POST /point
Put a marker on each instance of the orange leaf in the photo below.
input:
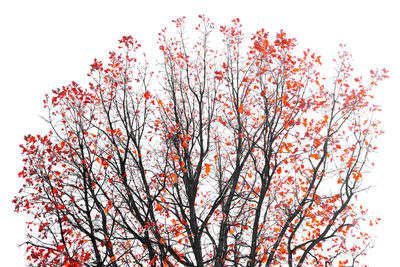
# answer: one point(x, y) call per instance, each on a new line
point(231, 231)
point(147, 95)
point(174, 177)
point(264, 258)
point(314, 156)
point(158, 207)
point(208, 169)
point(357, 175)
point(112, 258)
point(240, 109)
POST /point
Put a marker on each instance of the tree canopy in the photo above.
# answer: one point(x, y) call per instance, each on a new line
point(240, 156)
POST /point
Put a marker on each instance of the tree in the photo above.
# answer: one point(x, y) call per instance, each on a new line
point(245, 156)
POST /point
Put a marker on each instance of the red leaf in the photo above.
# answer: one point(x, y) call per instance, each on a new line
point(60, 248)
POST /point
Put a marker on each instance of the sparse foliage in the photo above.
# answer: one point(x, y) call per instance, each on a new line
point(242, 156)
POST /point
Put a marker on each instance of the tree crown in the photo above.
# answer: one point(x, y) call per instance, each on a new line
point(245, 156)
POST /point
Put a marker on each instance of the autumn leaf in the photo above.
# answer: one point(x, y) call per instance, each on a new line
point(231, 231)
point(208, 168)
point(60, 248)
point(147, 95)
point(240, 109)
point(264, 258)
point(174, 177)
point(357, 175)
point(158, 207)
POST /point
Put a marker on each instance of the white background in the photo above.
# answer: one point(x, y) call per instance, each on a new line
point(47, 44)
